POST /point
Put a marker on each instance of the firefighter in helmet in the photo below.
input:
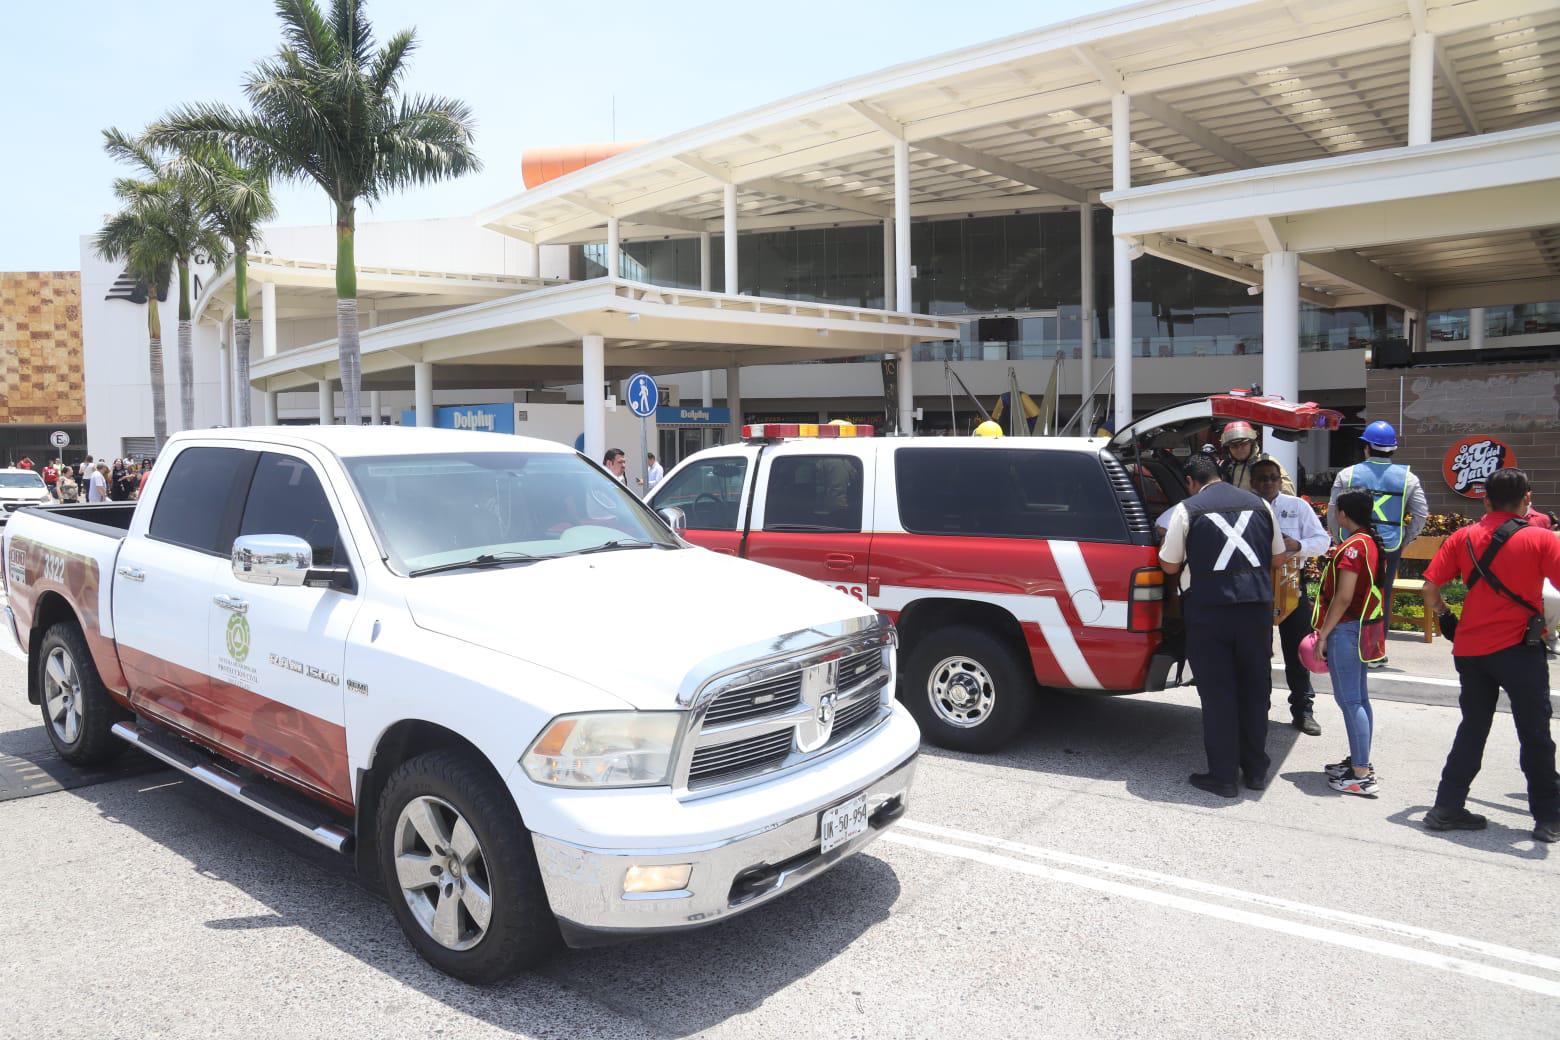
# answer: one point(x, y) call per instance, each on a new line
point(988, 429)
point(1239, 441)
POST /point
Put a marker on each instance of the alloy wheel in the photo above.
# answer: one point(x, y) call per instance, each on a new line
point(62, 695)
point(442, 873)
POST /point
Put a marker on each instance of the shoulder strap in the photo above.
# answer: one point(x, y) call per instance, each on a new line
point(1482, 566)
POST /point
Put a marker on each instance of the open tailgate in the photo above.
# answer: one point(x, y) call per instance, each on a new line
point(1287, 419)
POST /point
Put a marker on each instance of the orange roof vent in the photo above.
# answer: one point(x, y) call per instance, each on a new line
point(540, 165)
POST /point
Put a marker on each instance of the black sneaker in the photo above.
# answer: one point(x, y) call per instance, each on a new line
point(1440, 819)
point(1334, 770)
point(1306, 724)
point(1549, 832)
point(1207, 782)
point(1257, 781)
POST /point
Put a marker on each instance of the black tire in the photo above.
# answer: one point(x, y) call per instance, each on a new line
point(80, 717)
point(521, 929)
point(1011, 688)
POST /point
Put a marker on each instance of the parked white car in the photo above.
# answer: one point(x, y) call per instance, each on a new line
point(480, 664)
point(21, 487)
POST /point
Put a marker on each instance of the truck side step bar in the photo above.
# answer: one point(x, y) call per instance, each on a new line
point(264, 796)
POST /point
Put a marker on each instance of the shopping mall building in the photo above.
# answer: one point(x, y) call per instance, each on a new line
point(1172, 198)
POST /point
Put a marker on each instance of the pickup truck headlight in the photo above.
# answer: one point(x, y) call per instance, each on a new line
point(605, 749)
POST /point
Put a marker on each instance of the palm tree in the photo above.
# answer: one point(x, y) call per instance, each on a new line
point(188, 226)
point(238, 200)
point(328, 108)
point(137, 236)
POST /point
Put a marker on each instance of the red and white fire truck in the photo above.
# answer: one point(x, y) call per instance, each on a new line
point(1008, 565)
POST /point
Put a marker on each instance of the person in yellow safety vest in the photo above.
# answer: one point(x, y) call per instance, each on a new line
point(988, 429)
point(1240, 453)
point(1399, 507)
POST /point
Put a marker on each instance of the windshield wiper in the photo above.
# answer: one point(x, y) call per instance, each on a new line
point(484, 560)
point(618, 543)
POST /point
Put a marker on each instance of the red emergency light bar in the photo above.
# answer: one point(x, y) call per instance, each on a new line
point(772, 431)
point(1274, 411)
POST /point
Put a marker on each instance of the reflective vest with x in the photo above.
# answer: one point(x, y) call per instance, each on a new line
point(1386, 482)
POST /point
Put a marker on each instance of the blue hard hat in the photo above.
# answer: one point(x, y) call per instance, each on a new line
point(1380, 434)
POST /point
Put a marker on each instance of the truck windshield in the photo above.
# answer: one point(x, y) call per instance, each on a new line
point(20, 480)
point(439, 510)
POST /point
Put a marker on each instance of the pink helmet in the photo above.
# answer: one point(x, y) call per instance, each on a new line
point(1310, 657)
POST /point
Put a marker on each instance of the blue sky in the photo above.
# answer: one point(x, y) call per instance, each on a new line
point(535, 74)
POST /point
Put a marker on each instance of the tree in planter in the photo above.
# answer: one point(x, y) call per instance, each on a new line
point(238, 199)
point(328, 108)
point(137, 236)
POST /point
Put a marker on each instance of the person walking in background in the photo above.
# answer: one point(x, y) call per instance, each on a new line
point(68, 491)
point(1350, 596)
point(51, 475)
point(1498, 645)
point(1398, 504)
point(1304, 536)
point(1223, 542)
point(97, 483)
point(140, 483)
point(653, 471)
point(1239, 441)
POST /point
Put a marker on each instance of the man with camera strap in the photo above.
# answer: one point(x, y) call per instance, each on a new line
point(1498, 644)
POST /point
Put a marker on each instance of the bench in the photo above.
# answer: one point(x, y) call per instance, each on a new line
point(1422, 548)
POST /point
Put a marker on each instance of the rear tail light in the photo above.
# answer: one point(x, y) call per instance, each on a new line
point(1145, 611)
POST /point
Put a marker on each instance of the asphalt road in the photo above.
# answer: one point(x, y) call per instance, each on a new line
point(1073, 886)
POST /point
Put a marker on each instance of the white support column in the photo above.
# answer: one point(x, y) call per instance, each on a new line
point(1086, 306)
point(225, 371)
point(734, 402)
point(1476, 327)
point(614, 249)
point(530, 259)
point(269, 405)
point(706, 377)
point(903, 300)
point(327, 403)
point(1421, 87)
point(1281, 342)
point(707, 388)
point(890, 275)
point(375, 408)
point(593, 350)
point(729, 227)
point(267, 319)
point(422, 392)
point(704, 261)
point(1121, 318)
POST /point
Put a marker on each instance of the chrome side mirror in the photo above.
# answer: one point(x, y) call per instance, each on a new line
point(272, 559)
point(675, 518)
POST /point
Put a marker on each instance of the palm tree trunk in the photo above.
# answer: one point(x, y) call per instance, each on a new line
point(186, 352)
point(241, 371)
point(154, 354)
point(241, 390)
point(347, 313)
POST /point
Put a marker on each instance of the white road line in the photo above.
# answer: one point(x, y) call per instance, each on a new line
point(1423, 680)
point(1427, 958)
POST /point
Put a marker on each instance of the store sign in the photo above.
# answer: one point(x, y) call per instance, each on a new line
point(694, 415)
point(484, 418)
point(1473, 460)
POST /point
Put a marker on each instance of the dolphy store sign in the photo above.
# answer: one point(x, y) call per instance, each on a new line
point(484, 418)
point(694, 415)
point(1473, 460)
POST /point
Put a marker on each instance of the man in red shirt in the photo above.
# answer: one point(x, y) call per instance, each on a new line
point(1491, 653)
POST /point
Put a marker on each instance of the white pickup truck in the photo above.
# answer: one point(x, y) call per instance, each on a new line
point(479, 665)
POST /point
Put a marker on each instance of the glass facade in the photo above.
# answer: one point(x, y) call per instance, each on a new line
point(1023, 266)
point(1519, 320)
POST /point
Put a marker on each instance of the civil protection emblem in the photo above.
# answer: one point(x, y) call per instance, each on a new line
point(238, 637)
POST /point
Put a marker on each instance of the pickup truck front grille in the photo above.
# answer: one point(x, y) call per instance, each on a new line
point(756, 723)
point(770, 697)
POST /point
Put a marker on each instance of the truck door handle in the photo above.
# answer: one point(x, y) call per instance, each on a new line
point(232, 603)
point(131, 573)
point(839, 561)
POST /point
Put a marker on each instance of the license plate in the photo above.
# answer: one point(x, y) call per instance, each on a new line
point(843, 822)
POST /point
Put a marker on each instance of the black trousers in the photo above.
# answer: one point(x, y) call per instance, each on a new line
point(1228, 647)
point(1291, 631)
point(1523, 672)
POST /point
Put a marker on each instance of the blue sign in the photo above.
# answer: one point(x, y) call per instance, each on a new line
point(643, 395)
point(691, 415)
point(486, 418)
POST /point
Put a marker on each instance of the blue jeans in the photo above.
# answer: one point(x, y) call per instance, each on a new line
point(1347, 672)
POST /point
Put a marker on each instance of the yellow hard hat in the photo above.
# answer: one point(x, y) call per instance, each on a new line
point(988, 429)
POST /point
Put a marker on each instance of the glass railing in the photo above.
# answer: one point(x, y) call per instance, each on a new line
point(1147, 347)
